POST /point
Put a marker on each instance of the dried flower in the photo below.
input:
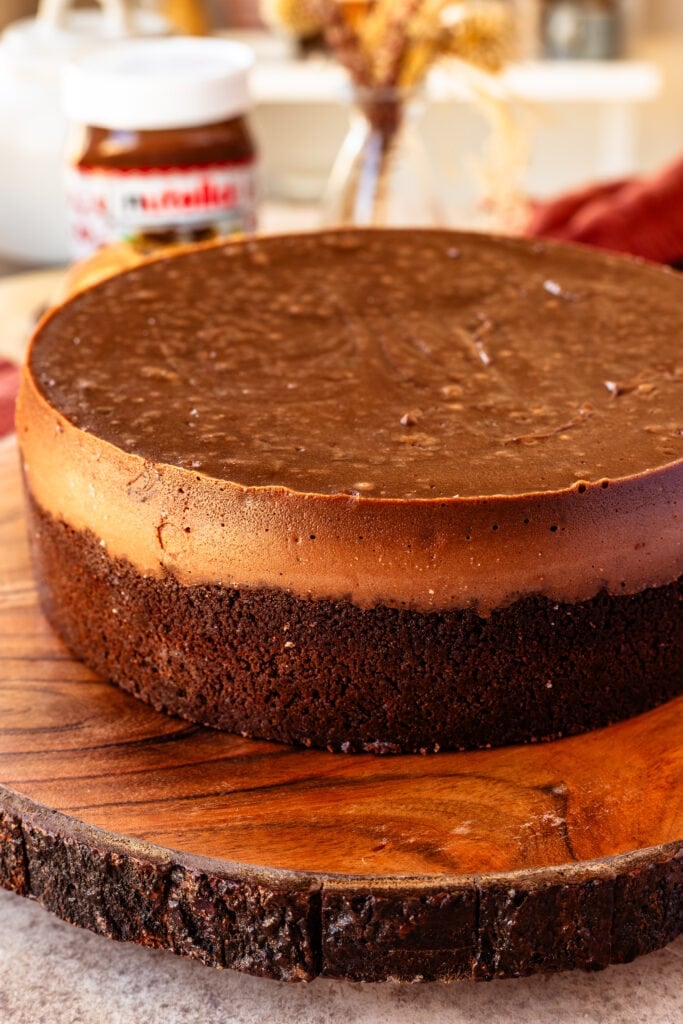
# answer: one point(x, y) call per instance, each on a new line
point(342, 39)
point(395, 42)
point(481, 32)
point(391, 39)
point(294, 16)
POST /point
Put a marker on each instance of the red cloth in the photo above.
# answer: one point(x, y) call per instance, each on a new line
point(643, 216)
point(9, 382)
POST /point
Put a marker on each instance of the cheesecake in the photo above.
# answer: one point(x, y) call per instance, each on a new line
point(388, 491)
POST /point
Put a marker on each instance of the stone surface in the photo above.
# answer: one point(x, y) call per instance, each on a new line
point(51, 973)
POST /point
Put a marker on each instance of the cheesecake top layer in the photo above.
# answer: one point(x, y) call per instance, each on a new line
point(422, 419)
point(396, 365)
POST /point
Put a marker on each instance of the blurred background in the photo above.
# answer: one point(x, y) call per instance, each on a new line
point(584, 104)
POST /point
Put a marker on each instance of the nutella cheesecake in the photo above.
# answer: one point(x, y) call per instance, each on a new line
point(373, 491)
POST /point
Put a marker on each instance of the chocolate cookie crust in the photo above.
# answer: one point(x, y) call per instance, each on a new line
point(269, 664)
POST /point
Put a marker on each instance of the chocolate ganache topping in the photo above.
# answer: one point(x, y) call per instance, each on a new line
point(399, 366)
point(466, 396)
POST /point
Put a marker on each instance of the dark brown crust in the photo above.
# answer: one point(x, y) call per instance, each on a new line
point(329, 674)
point(295, 926)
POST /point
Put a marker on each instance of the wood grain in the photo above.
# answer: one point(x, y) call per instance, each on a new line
point(292, 863)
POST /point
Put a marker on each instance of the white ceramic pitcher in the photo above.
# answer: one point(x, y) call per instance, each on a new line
point(33, 128)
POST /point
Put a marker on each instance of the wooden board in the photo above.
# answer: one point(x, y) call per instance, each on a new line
point(291, 863)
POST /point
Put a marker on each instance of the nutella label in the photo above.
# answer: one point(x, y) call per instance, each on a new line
point(166, 205)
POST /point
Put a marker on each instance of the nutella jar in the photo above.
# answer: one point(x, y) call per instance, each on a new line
point(161, 152)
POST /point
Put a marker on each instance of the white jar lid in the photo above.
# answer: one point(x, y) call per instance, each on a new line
point(147, 84)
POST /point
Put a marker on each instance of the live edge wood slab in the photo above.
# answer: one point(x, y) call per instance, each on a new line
point(294, 863)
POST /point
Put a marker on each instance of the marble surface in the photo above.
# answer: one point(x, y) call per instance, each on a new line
point(51, 973)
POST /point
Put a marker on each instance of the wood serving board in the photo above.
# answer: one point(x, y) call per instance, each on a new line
point(292, 863)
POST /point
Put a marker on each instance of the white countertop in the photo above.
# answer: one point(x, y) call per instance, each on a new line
point(51, 973)
point(319, 80)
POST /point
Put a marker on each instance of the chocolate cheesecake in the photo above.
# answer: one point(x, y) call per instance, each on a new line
point(376, 491)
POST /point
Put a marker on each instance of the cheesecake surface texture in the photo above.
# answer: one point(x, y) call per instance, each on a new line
point(381, 490)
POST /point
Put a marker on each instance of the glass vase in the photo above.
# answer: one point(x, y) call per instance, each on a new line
point(381, 176)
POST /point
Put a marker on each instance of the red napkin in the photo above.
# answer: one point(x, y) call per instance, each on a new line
point(643, 216)
point(9, 382)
